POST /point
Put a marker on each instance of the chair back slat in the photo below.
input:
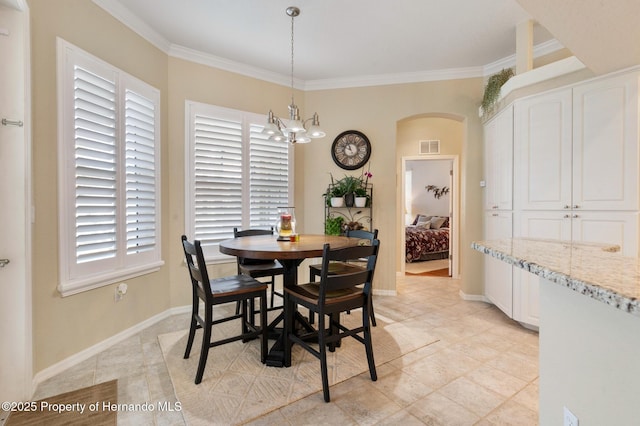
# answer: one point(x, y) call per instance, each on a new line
point(329, 282)
point(197, 269)
point(249, 233)
point(362, 234)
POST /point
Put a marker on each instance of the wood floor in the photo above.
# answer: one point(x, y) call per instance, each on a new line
point(94, 405)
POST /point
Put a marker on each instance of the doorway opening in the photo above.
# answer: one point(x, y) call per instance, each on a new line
point(430, 200)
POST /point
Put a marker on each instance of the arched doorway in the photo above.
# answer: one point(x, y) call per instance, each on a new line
point(428, 144)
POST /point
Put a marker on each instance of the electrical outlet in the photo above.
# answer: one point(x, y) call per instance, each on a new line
point(570, 419)
point(121, 290)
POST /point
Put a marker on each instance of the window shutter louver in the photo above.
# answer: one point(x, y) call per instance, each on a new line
point(217, 178)
point(95, 162)
point(268, 178)
point(108, 173)
point(140, 173)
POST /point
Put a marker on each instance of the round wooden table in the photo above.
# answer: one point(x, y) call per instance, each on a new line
point(290, 255)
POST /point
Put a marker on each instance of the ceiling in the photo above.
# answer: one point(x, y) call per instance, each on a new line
point(337, 42)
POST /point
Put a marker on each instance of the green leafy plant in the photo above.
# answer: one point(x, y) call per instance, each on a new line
point(350, 184)
point(333, 225)
point(492, 89)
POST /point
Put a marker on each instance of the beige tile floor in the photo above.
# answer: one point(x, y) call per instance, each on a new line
point(483, 370)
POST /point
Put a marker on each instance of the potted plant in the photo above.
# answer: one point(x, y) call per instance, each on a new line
point(492, 89)
point(335, 193)
point(361, 197)
point(349, 185)
point(333, 225)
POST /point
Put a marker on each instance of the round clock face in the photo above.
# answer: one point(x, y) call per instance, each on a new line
point(351, 150)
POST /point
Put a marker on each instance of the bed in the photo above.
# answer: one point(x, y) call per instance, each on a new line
point(427, 239)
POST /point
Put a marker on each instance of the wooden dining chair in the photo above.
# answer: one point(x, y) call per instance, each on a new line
point(345, 267)
point(236, 288)
point(259, 268)
point(333, 294)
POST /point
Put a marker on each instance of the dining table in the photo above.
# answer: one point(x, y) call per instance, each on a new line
point(290, 254)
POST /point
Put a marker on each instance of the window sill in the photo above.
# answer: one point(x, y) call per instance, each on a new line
point(78, 286)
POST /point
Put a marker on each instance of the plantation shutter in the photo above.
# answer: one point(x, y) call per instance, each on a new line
point(217, 178)
point(268, 178)
point(140, 173)
point(95, 163)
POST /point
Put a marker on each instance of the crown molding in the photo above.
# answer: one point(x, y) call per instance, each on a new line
point(389, 79)
point(134, 23)
point(122, 14)
point(510, 61)
point(199, 57)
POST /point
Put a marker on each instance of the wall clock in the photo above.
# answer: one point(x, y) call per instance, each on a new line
point(351, 150)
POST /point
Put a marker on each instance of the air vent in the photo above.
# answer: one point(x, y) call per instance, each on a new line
point(430, 147)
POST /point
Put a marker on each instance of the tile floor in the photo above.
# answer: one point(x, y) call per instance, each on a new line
point(483, 370)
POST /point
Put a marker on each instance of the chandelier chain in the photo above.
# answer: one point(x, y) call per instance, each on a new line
point(292, 18)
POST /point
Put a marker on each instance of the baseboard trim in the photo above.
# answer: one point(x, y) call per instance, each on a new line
point(385, 293)
point(473, 297)
point(85, 354)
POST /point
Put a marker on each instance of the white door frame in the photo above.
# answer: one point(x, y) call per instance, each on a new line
point(17, 107)
point(454, 221)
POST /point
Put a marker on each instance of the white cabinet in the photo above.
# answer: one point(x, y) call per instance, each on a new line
point(551, 225)
point(619, 228)
point(577, 148)
point(543, 151)
point(498, 158)
point(498, 278)
point(575, 177)
point(605, 144)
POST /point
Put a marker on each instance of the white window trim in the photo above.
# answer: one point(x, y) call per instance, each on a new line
point(151, 261)
point(213, 256)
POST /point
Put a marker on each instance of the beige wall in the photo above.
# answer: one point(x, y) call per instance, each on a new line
point(450, 131)
point(376, 111)
point(194, 82)
point(65, 326)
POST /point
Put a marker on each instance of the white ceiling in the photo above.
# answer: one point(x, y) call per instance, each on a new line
point(337, 42)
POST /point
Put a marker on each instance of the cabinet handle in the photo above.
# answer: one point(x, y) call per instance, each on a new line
point(576, 206)
point(494, 207)
point(566, 216)
point(495, 215)
point(575, 216)
point(567, 206)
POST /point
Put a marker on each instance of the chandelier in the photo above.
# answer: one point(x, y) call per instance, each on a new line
point(293, 129)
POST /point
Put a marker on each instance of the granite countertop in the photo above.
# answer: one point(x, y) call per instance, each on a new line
point(596, 271)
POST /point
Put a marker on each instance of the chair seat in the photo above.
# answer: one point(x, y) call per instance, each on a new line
point(261, 269)
point(235, 284)
point(310, 292)
point(338, 268)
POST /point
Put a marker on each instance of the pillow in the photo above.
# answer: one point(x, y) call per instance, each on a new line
point(436, 222)
point(424, 225)
point(422, 219)
point(446, 223)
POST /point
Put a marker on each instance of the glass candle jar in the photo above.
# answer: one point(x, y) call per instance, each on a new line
point(286, 223)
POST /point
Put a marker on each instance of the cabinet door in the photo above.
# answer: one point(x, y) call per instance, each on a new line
point(498, 161)
point(552, 225)
point(542, 152)
point(619, 228)
point(605, 144)
point(498, 280)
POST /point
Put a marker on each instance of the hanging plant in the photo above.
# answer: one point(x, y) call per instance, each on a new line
point(492, 89)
